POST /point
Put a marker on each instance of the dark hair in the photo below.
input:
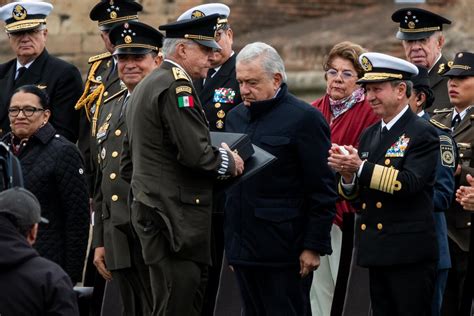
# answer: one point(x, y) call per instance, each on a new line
point(40, 93)
point(22, 229)
point(428, 93)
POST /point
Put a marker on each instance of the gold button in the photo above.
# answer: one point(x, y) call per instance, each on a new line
point(364, 206)
point(379, 226)
point(106, 93)
point(468, 224)
point(115, 154)
point(197, 201)
point(461, 155)
point(114, 197)
point(113, 176)
point(118, 132)
point(217, 105)
point(363, 227)
point(379, 205)
point(387, 162)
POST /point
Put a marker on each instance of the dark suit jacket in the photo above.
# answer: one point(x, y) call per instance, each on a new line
point(62, 82)
point(459, 221)
point(216, 107)
point(396, 225)
point(439, 85)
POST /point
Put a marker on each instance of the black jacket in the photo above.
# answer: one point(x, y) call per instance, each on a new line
point(290, 205)
point(62, 82)
point(53, 172)
point(31, 285)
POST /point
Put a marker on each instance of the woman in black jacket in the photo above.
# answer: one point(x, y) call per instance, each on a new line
point(53, 170)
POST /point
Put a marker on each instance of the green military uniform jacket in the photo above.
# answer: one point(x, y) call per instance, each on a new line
point(102, 78)
point(112, 215)
point(174, 165)
point(439, 85)
point(459, 221)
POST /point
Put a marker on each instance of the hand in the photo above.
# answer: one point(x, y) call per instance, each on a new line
point(309, 261)
point(458, 170)
point(239, 163)
point(345, 164)
point(99, 262)
point(465, 194)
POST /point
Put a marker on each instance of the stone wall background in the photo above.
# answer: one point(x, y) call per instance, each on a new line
point(303, 31)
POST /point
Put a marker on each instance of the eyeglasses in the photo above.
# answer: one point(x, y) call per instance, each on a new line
point(345, 74)
point(28, 111)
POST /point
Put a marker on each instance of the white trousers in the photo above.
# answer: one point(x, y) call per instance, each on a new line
point(324, 278)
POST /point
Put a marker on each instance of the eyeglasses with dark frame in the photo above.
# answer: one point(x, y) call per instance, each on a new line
point(345, 74)
point(28, 111)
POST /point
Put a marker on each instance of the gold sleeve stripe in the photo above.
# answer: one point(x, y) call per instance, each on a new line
point(342, 193)
point(385, 179)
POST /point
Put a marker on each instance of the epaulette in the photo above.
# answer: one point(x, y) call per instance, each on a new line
point(115, 95)
point(441, 111)
point(99, 57)
point(178, 73)
point(440, 125)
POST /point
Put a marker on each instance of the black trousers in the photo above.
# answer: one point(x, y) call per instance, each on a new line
point(402, 290)
point(274, 291)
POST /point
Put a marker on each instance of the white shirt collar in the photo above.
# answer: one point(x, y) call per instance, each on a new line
point(462, 114)
point(18, 65)
point(420, 114)
point(390, 124)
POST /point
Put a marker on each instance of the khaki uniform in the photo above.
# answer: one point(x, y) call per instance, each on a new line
point(459, 221)
point(102, 83)
point(174, 167)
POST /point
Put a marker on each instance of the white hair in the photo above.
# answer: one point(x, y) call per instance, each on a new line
point(269, 58)
point(170, 44)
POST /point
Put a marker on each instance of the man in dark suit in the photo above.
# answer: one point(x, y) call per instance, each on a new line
point(118, 254)
point(219, 91)
point(172, 166)
point(393, 175)
point(422, 38)
point(461, 121)
point(25, 24)
point(278, 223)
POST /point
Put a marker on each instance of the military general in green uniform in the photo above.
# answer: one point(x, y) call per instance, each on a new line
point(173, 167)
point(117, 254)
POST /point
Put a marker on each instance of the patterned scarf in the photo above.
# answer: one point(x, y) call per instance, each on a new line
point(341, 106)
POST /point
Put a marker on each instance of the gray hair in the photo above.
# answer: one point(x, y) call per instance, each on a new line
point(408, 83)
point(270, 59)
point(169, 45)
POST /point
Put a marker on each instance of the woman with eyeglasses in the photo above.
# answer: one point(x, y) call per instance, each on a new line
point(348, 113)
point(53, 170)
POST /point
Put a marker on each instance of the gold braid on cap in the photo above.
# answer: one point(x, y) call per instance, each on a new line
point(199, 37)
point(423, 29)
point(87, 99)
point(120, 19)
point(464, 67)
point(19, 25)
point(380, 76)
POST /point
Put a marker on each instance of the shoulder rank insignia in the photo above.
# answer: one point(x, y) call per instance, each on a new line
point(99, 57)
point(178, 73)
point(186, 89)
point(441, 69)
point(115, 95)
point(441, 111)
point(439, 125)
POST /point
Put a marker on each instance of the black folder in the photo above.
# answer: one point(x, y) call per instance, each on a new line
point(254, 163)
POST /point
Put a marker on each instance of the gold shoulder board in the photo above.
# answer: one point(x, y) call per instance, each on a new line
point(439, 125)
point(445, 110)
point(115, 95)
point(99, 57)
point(178, 73)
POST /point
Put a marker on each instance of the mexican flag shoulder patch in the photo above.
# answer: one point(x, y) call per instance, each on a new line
point(186, 101)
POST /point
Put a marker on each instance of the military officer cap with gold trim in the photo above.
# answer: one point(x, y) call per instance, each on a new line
point(416, 24)
point(381, 67)
point(109, 13)
point(202, 30)
point(135, 38)
point(461, 66)
point(208, 9)
point(23, 16)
